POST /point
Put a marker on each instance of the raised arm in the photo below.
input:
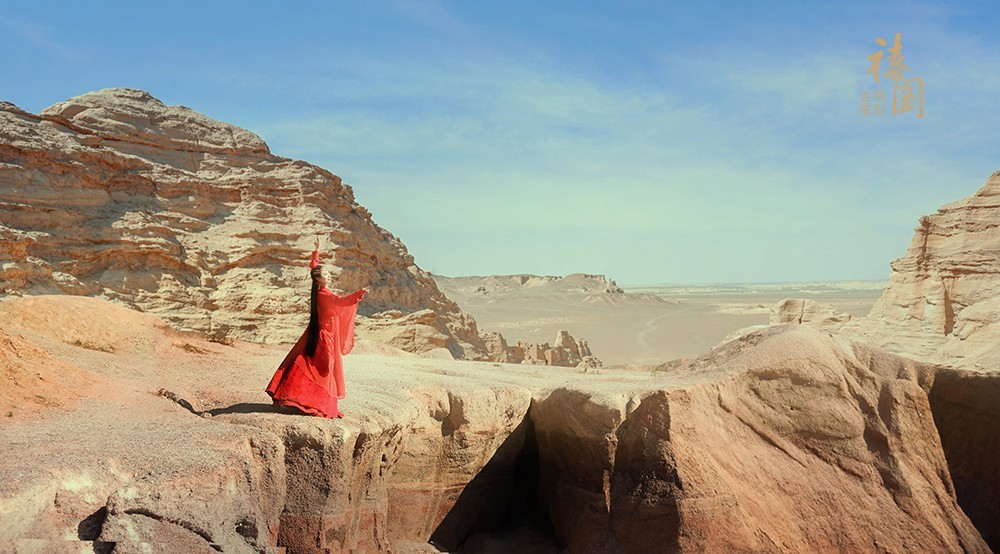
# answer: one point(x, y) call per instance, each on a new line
point(349, 299)
point(315, 256)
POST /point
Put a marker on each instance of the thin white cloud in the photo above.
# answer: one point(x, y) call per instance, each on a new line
point(529, 157)
point(40, 36)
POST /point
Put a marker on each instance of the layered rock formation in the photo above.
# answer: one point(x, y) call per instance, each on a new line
point(787, 439)
point(784, 440)
point(160, 208)
point(565, 351)
point(494, 284)
point(942, 302)
point(797, 310)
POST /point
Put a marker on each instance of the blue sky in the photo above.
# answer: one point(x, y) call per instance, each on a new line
point(654, 142)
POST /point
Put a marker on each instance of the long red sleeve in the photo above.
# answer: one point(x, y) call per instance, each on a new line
point(347, 300)
point(315, 259)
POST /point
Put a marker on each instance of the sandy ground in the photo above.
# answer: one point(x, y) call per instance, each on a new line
point(637, 329)
point(99, 396)
point(121, 357)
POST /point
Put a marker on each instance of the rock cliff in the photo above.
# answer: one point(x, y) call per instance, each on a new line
point(160, 208)
point(786, 439)
point(942, 302)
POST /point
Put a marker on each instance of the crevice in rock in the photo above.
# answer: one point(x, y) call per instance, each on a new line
point(90, 527)
point(949, 309)
point(359, 445)
point(966, 410)
point(501, 509)
point(247, 528)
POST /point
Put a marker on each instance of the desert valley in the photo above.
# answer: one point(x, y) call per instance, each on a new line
point(152, 268)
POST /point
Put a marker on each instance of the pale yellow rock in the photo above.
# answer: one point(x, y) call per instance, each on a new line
point(565, 351)
point(807, 311)
point(940, 303)
point(168, 211)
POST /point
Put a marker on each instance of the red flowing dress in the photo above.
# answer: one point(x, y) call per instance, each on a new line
point(313, 385)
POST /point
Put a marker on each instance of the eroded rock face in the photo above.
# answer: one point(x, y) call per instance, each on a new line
point(941, 303)
point(786, 439)
point(565, 351)
point(162, 209)
point(366, 487)
point(423, 332)
point(966, 409)
point(798, 310)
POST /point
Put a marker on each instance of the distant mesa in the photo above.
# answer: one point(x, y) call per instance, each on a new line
point(585, 286)
point(564, 351)
point(795, 310)
point(492, 284)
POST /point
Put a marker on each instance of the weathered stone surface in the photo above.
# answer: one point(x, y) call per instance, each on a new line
point(966, 408)
point(786, 439)
point(130, 474)
point(135, 117)
point(941, 302)
point(423, 332)
point(565, 351)
point(165, 210)
point(368, 485)
point(241, 477)
point(797, 310)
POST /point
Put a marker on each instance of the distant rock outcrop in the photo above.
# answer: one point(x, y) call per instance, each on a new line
point(160, 208)
point(797, 310)
point(942, 302)
point(579, 283)
point(565, 351)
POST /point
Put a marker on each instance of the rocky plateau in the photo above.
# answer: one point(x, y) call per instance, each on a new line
point(151, 263)
point(787, 439)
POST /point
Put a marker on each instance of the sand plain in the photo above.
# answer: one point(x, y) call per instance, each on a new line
point(648, 324)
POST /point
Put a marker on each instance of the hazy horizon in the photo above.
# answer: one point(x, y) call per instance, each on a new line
point(680, 284)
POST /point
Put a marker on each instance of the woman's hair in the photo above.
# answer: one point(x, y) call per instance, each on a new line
point(312, 332)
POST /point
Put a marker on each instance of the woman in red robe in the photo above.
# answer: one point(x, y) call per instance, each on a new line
point(311, 377)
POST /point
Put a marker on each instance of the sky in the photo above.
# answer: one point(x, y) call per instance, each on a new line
point(652, 142)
